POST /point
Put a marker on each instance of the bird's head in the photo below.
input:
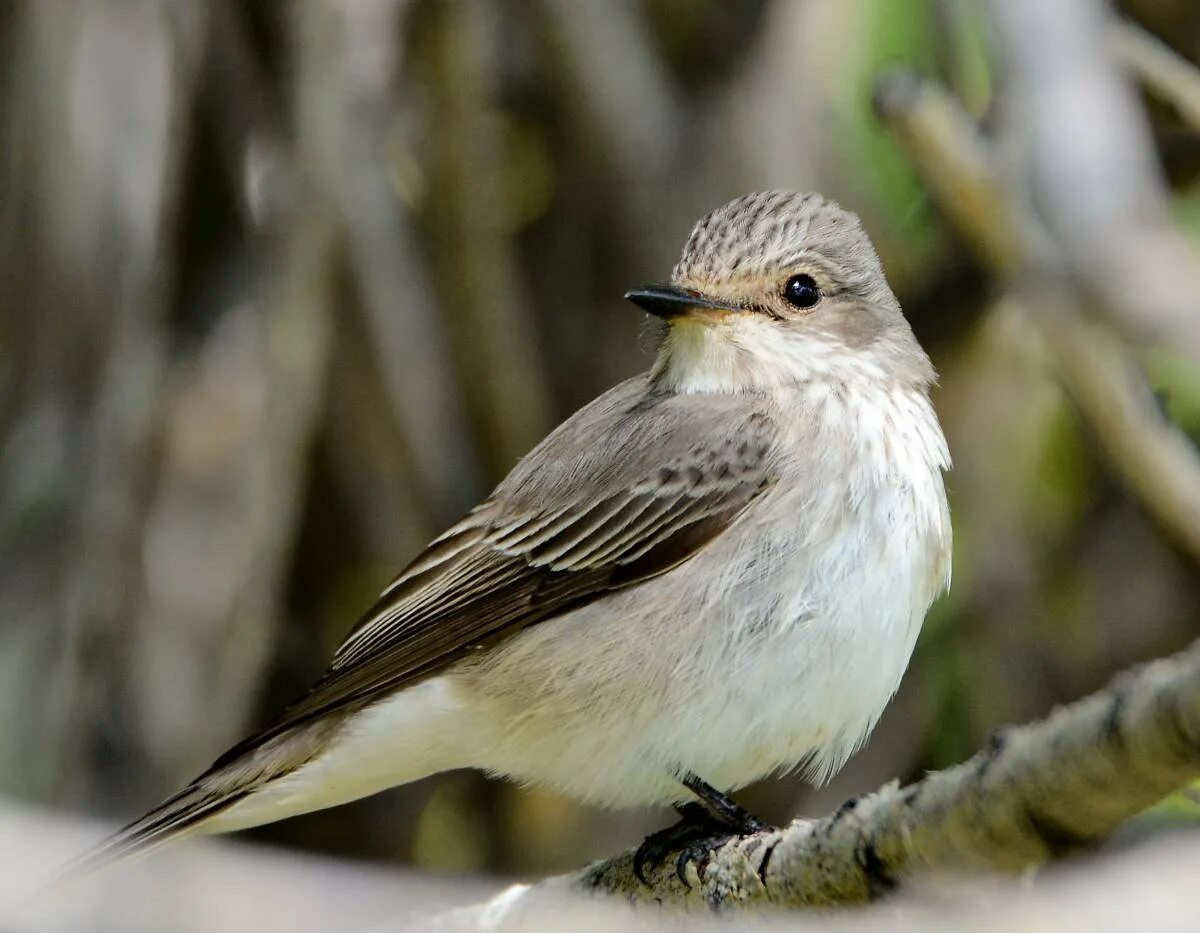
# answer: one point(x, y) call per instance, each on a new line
point(780, 287)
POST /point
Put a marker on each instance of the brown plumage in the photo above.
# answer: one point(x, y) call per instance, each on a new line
point(717, 568)
point(510, 563)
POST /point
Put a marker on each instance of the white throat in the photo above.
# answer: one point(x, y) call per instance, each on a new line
point(752, 356)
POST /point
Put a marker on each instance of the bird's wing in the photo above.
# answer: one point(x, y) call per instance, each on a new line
point(629, 487)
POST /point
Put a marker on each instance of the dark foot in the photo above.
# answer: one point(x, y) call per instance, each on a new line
point(723, 810)
point(699, 851)
point(692, 837)
point(707, 823)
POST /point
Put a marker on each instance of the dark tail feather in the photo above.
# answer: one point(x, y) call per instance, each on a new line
point(237, 774)
point(174, 818)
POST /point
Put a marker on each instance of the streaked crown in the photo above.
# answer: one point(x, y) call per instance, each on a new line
point(762, 235)
point(777, 288)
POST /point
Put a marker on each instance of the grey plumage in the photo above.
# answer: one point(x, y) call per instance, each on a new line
point(717, 567)
point(513, 561)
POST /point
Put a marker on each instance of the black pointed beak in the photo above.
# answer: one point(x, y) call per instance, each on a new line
point(670, 301)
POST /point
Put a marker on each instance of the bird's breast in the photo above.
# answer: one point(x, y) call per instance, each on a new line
point(777, 644)
point(859, 533)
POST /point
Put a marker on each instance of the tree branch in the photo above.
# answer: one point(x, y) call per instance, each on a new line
point(355, 109)
point(1036, 792)
point(633, 112)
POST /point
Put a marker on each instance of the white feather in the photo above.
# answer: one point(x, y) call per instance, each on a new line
point(780, 646)
point(419, 731)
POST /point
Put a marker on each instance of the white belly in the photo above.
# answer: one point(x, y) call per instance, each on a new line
point(779, 648)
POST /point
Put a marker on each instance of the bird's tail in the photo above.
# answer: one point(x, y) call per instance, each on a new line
point(180, 815)
point(244, 770)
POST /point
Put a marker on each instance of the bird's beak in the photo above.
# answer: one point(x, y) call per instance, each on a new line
point(670, 301)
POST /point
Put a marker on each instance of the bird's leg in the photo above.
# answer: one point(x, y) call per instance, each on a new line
point(695, 825)
point(705, 824)
point(722, 809)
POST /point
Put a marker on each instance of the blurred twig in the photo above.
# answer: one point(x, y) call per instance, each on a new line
point(1078, 146)
point(239, 423)
point(633, 113)
point(354, 106)
point(631, 120)
point(1167, 74)
point(93, 378)
point(250, 135)
point(956, 165)
point(478, 275)
point(1152, 455)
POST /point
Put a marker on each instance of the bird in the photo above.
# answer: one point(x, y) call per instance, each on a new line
point(713, 573)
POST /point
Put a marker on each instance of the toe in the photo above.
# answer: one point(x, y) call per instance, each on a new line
point(698, 853)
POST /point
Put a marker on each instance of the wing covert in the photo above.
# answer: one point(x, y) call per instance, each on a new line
point(571, 523)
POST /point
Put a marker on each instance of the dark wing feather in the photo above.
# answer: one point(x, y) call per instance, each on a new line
point(564, 529)
point(631, 486)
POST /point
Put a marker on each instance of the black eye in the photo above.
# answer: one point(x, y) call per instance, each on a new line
point(802, 291)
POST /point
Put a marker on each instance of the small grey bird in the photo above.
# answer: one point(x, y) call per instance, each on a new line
point(714, 572)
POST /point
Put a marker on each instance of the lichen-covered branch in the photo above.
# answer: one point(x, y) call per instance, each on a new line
point(1036, 792)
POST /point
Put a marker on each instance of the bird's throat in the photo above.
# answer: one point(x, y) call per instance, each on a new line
point(702, 357)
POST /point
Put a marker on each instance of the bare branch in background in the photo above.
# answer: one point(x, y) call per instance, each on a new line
point(239, 423)
point(228, 498)
point(250, 136)
point(88, 325)
point(367, 454)
point(1165, 73)
point(634, 117)
point(1080, 146)
point(357, 114)
point(957, 168)
point(1154, 458)
point(475, 262)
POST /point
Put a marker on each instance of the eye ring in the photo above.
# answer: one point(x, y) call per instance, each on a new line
point(801, 291)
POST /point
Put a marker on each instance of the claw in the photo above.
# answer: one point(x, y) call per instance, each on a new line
point(696, 852)
point(695, 827)
point(706, 824)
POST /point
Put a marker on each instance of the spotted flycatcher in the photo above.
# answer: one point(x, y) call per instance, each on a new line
point(714, 572)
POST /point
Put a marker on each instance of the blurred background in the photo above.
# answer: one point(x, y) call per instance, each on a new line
point(286, 287)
